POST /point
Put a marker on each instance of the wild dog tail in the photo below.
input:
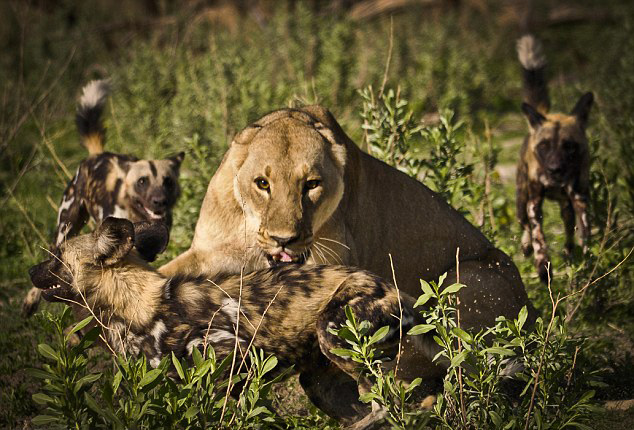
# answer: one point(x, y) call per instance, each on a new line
point(531, 56)
point(88, 118)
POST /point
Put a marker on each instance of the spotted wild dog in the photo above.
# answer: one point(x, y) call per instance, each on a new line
point(108, 184)
point(554, 161)
point(286, 310)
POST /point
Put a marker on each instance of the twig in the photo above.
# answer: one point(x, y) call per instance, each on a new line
point(389, 58)
point(400, 318)
point(555, 304)
point(27, 217)
point(37, 102)
point(462, 406)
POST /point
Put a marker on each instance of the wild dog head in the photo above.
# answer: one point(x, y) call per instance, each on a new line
point(152, 186)
point(77, 266)
point(558, 142)
point(288, 170)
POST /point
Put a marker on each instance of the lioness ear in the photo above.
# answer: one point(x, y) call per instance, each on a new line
point(582, 109)
point(329, 128)
point(240, 144)
point(150, 239)
point(114, 239)
point(535, 119)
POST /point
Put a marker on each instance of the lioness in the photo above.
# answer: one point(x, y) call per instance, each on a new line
point(294, 188)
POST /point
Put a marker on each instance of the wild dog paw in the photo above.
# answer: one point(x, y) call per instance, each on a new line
point(544, 270)
point(527, 245)
point(569, 250)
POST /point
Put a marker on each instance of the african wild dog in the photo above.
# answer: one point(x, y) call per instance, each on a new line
point(285, 310)
point(554, 161)
point(108, 184)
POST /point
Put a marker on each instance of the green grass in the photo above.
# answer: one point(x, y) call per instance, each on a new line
point(192, 84)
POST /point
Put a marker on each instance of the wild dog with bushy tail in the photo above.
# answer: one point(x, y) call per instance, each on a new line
point(108, 184)
point(554, 161)
point(286, 310)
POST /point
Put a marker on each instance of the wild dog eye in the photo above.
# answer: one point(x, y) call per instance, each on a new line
point(312, 184)
point(142, 181)
point(168, 182)
point(262, 184)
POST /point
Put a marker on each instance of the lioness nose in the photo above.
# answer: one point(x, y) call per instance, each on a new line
point(282, 241)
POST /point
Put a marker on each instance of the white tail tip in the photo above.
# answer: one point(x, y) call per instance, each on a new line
point(95, 93)
point(530, 53)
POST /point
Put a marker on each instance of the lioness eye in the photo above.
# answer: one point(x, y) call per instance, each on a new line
point(312, 184)
point(142, 180)
point(262, 184)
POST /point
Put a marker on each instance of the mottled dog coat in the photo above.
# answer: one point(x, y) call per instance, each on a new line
point(108, 184)
point(554, 161)
point(286, 310)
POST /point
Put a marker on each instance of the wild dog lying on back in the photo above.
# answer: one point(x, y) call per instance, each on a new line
point(554, 161)
point(108, 184)
point(156, 315)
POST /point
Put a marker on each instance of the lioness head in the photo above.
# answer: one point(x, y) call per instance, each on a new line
point(558, 141)
point(78, 263)
point(288, 177)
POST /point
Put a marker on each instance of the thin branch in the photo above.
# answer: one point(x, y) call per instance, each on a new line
point(400, 318)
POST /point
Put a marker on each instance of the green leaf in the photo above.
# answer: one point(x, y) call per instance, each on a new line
point(462, 334)
point(496, 418)
point(368, 397)
point(48, 352)
point(421, 329)
point(92, 404)
point(197, 356)
point(422, 299)
point(441, 279)
point(341, 352)
point(426, 288)
point(42, 420)
point(42, 374)
point(269, 364)
point(498, 350)
point(149, 377)
point(379, 335)
point(191, 412)
point(257, 411)
point(452, 289)
point(177, 365)
point(83, 323)
point(88, 379)
point(521, 318)
point(458, 359)
point(42, 399)
point(350, 315)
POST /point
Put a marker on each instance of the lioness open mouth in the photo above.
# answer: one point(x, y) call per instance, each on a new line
point(284, 257)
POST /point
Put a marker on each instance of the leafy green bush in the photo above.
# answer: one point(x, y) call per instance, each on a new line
point(482, 367)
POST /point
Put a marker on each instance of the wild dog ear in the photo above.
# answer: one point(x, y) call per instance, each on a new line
point(535, 119)
point(177, 159)
point(114, 240)
point(582, 109)
point(150, 239)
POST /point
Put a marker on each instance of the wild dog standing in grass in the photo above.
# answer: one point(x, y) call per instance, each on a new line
point(108, 184)
point(554, 161)
point(286, 311)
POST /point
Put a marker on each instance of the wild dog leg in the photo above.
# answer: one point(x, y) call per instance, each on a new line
point(580, 206)
point(568, 215)
point(333, 391)
point(521, 202)
point(72, 216)
point(540, 249)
